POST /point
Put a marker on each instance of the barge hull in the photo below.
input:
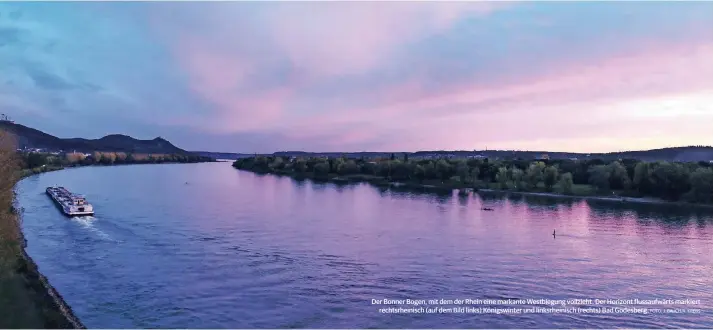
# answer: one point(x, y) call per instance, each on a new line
point(65, 211)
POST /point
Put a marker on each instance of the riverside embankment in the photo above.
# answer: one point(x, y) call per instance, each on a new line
point(27, 299)
point(685, 184)
point(449, 186)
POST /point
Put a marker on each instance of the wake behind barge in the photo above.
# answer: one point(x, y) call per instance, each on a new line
point(70, 204)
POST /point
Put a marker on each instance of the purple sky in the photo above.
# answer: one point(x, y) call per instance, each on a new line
point(354, 76)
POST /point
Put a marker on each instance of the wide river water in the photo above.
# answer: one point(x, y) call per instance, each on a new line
point(208, 246)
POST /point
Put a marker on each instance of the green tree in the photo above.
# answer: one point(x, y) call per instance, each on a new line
point(336, 165)
point(463, 171)
point(535, 174)
point(474, 174)
point(261, 163)
point(566, 183)
point(599, 176)
point(489, 171)
point(619, 177)
point(641, 178)
point(430, 170)
point(321, 169)
point(502, 178)
point(54, 161)
point(443, 169)
point(277, 164)
point(701, 186)
point(419, 173)
point(300, 165)
point(400, 170)
point(350, 167)
point(518, 177)
point(550, 177)
point(567, 165)
point(35, 159)
point(370, 168)
point(670, 180)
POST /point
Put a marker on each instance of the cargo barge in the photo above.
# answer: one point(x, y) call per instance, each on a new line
point(70, 204)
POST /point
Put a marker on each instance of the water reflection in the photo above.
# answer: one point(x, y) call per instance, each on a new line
point(239, 250)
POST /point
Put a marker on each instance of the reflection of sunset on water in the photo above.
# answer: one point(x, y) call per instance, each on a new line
point(303, 249)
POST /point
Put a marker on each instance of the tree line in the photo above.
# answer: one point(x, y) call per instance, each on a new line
point(672, 181)
point(33, 160)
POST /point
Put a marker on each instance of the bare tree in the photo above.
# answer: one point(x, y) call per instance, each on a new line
point(9, 226)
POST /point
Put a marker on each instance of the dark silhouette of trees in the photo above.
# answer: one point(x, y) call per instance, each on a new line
point(33, 160)
point(665, 180)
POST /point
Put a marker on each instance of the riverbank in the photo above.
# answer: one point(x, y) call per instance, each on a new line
point(27, 299)
point(39, 170)
point(617, 199)
point(580, 192)
point(50, 168)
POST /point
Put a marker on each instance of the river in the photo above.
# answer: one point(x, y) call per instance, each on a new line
point(208, 246)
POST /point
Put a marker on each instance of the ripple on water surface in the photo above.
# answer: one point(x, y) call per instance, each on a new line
point(234, 249)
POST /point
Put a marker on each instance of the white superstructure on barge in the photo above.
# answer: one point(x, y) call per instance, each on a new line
point(71, 204)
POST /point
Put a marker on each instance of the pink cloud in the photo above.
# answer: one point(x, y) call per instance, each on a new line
point(614, 92)
point(209, 68)
point(321, 41)
point(532, 132)
point(670, 70)
point(334, 38)
point(224, 79)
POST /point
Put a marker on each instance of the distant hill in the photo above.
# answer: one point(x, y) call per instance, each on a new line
point(366, 154)
point(678, 154)
point(31, 138)
point(221, 155)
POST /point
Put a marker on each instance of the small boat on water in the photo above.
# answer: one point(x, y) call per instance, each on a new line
point(70, 204)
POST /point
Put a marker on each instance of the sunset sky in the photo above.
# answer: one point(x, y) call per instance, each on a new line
point(354, 76)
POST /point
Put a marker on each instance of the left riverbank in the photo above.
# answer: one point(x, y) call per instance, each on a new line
point(27, 299)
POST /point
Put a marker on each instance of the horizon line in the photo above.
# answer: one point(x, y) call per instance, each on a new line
point(443, 150)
